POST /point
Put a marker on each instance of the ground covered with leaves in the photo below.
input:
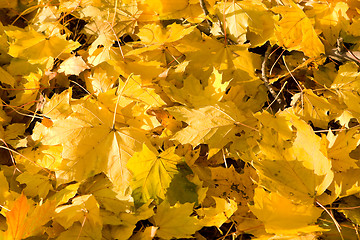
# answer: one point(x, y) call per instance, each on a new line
point(165, 119)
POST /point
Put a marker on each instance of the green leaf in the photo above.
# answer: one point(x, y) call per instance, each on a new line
point(181, 189)
point(152, 173)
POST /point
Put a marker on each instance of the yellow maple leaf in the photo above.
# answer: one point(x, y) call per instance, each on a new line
point(167, 6)
point(101, 78)
point(123, 226)
point(261, 22)
point(214, 125)
point(169, 9)
point(233, 61)
point(346, 183)
point(81, 207)
point(73, 66)
point(81, 218)
point(340, 148)
point(330, 18)
point(6, 77)
point(282, 216)
point(64, 195)
point(152, 173)
point(160, 43)
point(103, 190)
point(194, 93)
point(297, 165)
point(314, 108)
point(147, 70)
point(155, 34)
point(132, 99)
point(236, 21)
point(219, 214)
point(44, 157)
point(175, 221)
point(102, 50)
point(91, 143)
point(80, 231)
point(26, 98)
point(37, 47)
point(36, 184)
point(296, 32)
point(227, 182)
point(347, 87)
point(58, 107)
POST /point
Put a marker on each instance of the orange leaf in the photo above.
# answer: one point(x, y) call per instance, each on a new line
point(47, 122)
point(16, 218)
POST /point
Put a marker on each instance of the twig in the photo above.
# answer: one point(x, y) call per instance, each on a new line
point(265, 78)
point(206, 12)
point(203, 7)
point(342, 54)
point(282, 88)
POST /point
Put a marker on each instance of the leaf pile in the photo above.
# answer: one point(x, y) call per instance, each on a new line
point(168, 119)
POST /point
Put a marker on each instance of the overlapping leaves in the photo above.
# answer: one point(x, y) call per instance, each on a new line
point(117, 115)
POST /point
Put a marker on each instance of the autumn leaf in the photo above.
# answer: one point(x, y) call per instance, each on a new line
point(73, 66)
point(152, 119)
point(84, 156)
point(227, 182)
point(46, 157)
point(37, 47)
point(36, 184)
point(175, 221)
point(234, 61)
point(20, 218)
point(30, 85)
point(166, 6)
point(181, 189)
point(208, 124)
point(282, 216)
point(219, 214)
point(236, 21)
point(195, 94)
point(125, 223)
point(152, 173)
point(82, 208)
point(346, 84)
point(101, 79)
point(330, 19)
point(340, 148)
point(296, 32)
point(346, 183)
point(297, 168)
point(103, 190)
point(17, 217)
point(314, 108)
point(353, 214)
point(6, 77)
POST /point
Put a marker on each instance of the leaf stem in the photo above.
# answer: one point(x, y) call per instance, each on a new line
point(338, 227)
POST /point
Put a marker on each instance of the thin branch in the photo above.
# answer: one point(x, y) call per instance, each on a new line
point(203, 7)
point(265, 78)
point(206, 13)
point(282, 88)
